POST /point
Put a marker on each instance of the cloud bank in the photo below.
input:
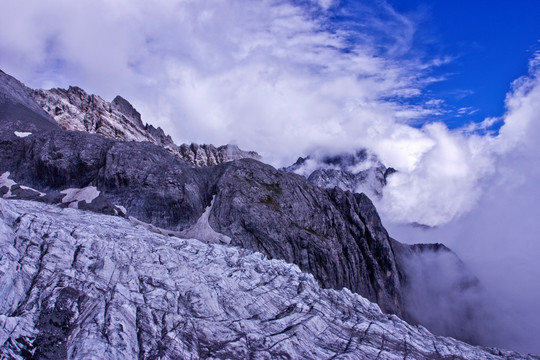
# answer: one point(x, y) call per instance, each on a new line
point(499, 236)
point(445, 172)
point(273, 76)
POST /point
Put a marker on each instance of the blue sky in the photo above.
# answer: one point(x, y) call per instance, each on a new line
point(490, 43)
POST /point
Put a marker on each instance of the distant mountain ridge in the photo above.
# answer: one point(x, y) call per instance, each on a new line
point(359, 171)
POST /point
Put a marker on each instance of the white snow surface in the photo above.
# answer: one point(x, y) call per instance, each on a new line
point(203, 231)
point(75, 195)
point(98, 287)
point(7, 182)
point(123, 209)
point(22, 134)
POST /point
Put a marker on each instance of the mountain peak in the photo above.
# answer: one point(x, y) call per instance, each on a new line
point(125, 108)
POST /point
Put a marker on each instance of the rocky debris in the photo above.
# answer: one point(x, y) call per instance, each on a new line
point(80, 285)
point(19, 114)
point(356, 172)
point(74, 109)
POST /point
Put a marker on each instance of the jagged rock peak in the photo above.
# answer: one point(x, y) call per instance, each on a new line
point(124, 107)
point(74, 109)
point(359, 171)
point(208, 155)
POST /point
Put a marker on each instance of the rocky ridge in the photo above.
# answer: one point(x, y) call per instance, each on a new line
point(20, 115)
point(74, 109)
point(80, 285)
point(360, 171)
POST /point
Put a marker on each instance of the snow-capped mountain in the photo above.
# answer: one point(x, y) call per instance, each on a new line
point(74, 109)
point(74, 283)
point(360, 171)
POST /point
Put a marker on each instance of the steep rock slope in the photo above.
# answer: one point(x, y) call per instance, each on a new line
point(74, 109)
point(80, 285)
point(20, 115)
point(334, 235)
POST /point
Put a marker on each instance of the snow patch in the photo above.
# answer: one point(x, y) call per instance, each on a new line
point(202, 230)
point(4, 181)
point(29, 188)
point(74, 195)
point(22, 134)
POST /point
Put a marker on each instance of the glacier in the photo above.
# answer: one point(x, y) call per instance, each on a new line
point(80, 285)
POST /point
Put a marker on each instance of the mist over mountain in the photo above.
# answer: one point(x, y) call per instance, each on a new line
point(360, 172)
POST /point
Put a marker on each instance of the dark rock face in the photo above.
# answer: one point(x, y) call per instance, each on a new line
point(19, 112)
point(335, 235)
point(152, 184)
